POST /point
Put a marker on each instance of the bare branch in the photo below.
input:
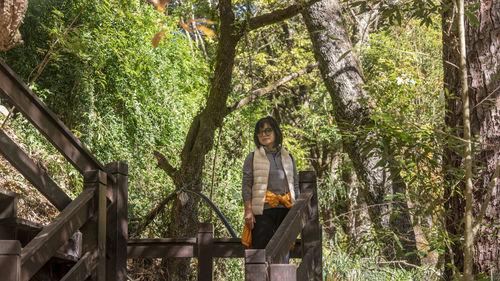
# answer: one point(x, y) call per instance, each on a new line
point(164, 164)
point(493, 183)
point(153, 214)
point(266, 90)
point(276, 16)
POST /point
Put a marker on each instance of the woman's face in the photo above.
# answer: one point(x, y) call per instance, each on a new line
point(266, 136)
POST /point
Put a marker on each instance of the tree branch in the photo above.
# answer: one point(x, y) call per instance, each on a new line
point(266, 90)
point(493, 183)
point(153, 214)
point(275, 16)
point(164, 164)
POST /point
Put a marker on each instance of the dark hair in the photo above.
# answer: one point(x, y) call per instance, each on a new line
point(274, 125)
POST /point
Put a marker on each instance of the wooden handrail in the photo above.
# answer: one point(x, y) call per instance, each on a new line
point(37, 176)
point(53, 236)
point(46, 121)
point(279, 246)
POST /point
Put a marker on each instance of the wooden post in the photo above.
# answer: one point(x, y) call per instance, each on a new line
point(205, 249)
point(311, 266)
point(117, 222)
point(10, 260)
point(97, 179)
point(282, 272)
point(255, 265)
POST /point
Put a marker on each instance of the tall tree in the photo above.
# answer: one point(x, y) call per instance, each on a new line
point(482, 30)
point(344, 79)
point(200, 137)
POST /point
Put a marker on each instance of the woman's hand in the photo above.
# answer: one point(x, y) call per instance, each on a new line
point(249, 219)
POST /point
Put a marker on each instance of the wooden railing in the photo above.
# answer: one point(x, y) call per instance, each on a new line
point(100, 214)
point(302, 219)
point(260, 265)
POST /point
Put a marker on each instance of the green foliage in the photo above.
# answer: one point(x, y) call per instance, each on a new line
point(121, 96)
point(340, 264)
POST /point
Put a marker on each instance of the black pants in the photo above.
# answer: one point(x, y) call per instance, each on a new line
point(266, 225)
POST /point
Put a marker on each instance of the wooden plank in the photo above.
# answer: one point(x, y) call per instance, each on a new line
point(282, 240)
point(19, 229)
point(282, 272)
point(82, 269)
point(311, 234)
point(228, 248)
point(205, 247)
point(10, 261)
point(34, 173)
point(8, 203)
point(46, 121)
point(53, 236)
point(161, 251)
point(255, 265)
point(98, 179)
point(117, 222)
point(162, 248)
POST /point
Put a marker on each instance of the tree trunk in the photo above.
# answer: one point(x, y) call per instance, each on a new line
point(343, 78)
point(199, 141)
point(483, 63)
point(200, 137)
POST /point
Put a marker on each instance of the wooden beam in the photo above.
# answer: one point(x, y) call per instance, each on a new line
point(82, 269)
point(53, 236)
point(34, 173)
point(46, 121)
point(10, 262)
point(205, 245)
point(280, 244)
point(255, 265)
point(117, 222)
point(312, 263)
point(162, 248)
point(8, 203)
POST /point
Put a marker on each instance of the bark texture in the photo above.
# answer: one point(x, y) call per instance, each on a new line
point(483, 63)
point(11, 16)
point(343, 77)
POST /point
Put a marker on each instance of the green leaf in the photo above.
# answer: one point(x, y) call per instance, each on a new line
point(472, 18)
point(396, 238)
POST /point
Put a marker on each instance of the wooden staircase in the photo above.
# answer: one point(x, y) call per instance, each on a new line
point(23, 231)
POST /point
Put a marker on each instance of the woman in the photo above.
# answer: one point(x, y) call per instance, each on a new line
point(270, 184)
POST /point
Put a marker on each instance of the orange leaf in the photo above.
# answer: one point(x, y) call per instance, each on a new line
point(186, 27)
point(202, 21)
point(206, 21)
point(157, 38)
point(206, 30)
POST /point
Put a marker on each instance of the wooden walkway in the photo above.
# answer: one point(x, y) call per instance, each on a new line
point(89, 238)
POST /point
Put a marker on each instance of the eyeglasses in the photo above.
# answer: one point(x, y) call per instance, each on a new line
point(266, 131)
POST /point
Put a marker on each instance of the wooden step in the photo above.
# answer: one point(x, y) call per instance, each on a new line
point(19, 229)
point(8, 203)
point(25, 230)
